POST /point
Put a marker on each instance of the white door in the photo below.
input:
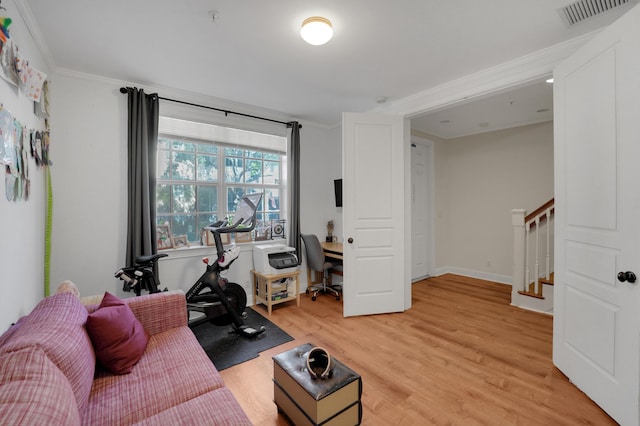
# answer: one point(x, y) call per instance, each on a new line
point(596, 333)
point(375, 212)
point(419, 211)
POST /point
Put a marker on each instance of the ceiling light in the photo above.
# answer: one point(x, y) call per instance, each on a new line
point(549, 80)
point(316, 30)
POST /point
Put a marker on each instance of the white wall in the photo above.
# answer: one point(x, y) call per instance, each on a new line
point(90, 189)
point(89, 232)
point(321, 160)
point(480, 179)
point(22, 222)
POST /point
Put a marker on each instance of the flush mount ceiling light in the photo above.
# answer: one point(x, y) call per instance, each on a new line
point(316, 30)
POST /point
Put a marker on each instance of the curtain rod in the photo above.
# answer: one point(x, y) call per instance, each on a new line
point(226, 112)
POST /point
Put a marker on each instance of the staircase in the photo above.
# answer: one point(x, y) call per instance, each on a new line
point(533, 291)
point(532, 286)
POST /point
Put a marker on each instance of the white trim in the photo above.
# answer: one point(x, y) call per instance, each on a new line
point(196, 251)
point(186, 112)
point(543, 306)
point(501, 279)
point(517, 72)
point(227, 135)
point(30, 22)
point(431, 223)
point(489, 130)
point(532, 309)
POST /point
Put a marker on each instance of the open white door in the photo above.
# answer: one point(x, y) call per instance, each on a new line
point(375, 214)
point(596, 334)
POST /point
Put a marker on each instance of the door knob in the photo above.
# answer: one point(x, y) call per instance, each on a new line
point(627, 276)
point(350, 240)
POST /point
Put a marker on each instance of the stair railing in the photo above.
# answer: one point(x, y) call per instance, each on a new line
point(524, 282)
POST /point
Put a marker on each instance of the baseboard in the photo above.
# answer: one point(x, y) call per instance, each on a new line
point(532, 309)
point(481, 275)
point(415, 280)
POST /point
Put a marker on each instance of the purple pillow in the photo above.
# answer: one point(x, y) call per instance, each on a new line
point(118, 338)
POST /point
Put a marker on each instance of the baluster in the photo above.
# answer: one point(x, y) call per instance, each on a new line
point(548, 260)
point(528, 270)
point(537, 266)
point(527, 230)
point(518, 223)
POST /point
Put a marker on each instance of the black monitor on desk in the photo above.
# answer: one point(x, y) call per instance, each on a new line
point(337, 187)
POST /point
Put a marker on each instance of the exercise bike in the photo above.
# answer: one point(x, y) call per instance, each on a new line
point(212, 298)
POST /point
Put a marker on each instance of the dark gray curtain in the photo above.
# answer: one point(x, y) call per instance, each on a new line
point(142, 148)
point(294, 188)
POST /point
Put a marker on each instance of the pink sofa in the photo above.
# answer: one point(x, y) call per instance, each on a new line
point(48, 372)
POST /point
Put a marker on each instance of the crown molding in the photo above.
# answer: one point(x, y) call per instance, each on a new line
point(27, 16)
point(33, 28)
point(507, 75)
point(187, 96)
point(180, 94)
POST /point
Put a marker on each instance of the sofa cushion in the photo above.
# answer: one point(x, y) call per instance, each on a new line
point(118, 337)
point(57, 326)
point(218, 407)
point(33, 391)
point(173, 370)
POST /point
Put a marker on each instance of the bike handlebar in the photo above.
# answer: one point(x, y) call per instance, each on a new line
point(224, 229)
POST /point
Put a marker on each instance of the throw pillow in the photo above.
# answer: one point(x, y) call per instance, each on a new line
point(119, 339)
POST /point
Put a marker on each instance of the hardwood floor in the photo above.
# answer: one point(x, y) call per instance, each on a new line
point(461, 355)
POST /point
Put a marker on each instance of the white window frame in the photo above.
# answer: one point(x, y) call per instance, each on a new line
point(227, 137)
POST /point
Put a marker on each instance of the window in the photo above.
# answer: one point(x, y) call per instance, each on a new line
point(201, 181)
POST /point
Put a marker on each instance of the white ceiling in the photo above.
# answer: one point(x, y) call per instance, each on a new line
point(253, 54)
point(528, 104)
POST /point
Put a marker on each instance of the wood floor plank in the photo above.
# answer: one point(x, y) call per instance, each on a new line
point(460, 356)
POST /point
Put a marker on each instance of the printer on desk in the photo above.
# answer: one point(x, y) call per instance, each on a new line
point(272, 259)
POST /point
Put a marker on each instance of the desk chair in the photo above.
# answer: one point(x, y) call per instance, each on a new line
point(316, 262)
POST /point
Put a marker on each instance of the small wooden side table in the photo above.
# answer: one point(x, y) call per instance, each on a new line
point(277, 288)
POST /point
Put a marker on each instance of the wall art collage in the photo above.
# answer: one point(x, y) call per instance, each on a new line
point(16, 141)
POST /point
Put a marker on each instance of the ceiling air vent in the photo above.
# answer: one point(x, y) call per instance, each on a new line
point(582, 10)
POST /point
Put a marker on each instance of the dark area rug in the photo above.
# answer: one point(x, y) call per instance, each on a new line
point(228, 349)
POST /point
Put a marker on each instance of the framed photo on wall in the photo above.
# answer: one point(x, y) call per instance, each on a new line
point(163, 237)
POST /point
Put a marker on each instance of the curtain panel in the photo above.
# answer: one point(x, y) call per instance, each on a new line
point(142, 141)
point(294, 188)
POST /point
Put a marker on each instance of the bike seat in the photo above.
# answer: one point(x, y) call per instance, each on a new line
point(148, 260)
